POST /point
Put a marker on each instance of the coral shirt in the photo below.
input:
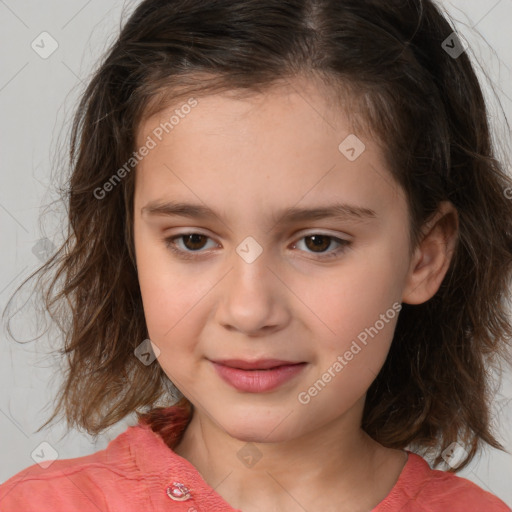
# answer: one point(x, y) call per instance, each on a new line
point(138, 472)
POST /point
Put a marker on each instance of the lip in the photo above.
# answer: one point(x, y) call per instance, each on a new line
point(257, 376)
point(259, 364)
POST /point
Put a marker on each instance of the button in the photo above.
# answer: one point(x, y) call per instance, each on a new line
point(178, 492)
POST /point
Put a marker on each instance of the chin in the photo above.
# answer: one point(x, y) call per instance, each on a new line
point(256, 427)
point(252, 435)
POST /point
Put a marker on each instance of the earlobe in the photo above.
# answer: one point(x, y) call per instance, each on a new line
point(433, 255)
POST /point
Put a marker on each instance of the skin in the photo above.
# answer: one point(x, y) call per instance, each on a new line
point(247, 159)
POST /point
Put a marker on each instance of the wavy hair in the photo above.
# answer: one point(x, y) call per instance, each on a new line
point(422, 103)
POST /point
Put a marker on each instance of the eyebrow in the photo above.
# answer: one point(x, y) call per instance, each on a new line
point(290, 215)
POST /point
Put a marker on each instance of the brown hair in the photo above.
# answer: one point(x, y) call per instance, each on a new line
point(423, 104)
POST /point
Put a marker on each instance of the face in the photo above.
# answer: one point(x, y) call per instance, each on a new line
point(291, 253)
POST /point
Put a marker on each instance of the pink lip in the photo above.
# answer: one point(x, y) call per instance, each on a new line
point(257, 376)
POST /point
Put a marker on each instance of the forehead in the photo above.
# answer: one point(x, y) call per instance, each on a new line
point(327, 99)
point(288, 144)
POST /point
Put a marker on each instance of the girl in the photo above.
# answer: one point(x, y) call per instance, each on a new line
point(291, 211)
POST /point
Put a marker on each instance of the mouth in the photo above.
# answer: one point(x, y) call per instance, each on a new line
point(257, 376)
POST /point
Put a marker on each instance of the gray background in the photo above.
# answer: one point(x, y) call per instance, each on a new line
point(37, 98)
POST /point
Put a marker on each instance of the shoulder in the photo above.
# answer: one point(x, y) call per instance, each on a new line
point(81, 483)
point(421, 488)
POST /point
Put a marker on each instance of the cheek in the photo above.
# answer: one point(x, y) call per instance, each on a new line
point(359, 309)
point(350, 360)
point(170, 304)
point(356, 298)
point(167, 295)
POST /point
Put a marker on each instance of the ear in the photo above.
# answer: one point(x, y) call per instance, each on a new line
point(432, 256)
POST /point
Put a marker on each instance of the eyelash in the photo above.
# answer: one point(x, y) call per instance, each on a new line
point(190, 255)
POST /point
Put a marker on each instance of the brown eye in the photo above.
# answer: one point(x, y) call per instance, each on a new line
point(194, 241)
point(323, 245)
point(186, 244)
point(318, 243)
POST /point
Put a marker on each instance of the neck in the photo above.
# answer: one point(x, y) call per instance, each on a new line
point(338, 466)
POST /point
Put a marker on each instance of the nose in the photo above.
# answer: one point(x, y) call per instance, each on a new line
point(253, 298)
